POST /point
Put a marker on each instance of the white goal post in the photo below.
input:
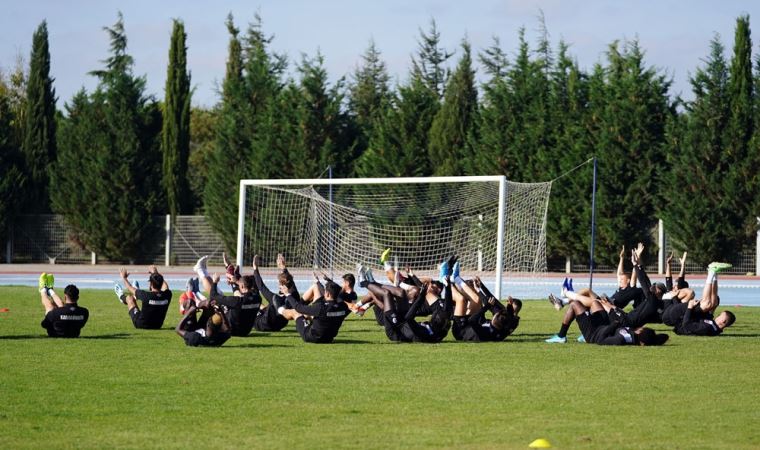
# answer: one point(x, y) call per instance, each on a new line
point(339, 222)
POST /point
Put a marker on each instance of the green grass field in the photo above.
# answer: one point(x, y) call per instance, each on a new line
point(121, 387)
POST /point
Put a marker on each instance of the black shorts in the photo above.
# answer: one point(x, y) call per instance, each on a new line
point(303, 327)
point(51, 332)
point(673, 315)
point(392, 327)
point(193, 339)
point(137, 317)
point(463, 331)
point(589, 323)
point(269, 320)
point(140, 320)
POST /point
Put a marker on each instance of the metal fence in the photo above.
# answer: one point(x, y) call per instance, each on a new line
point(49, 239)
point(745, 262)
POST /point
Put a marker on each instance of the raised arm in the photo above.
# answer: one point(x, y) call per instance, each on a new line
point(215, 295)
point(313, 309)
point(682, 273)
point(153, 269)
point(259, 282)
point(125, 279)
point(620, 271)
point(669, 273)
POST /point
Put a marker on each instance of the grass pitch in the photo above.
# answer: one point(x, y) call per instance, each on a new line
point(120, 387)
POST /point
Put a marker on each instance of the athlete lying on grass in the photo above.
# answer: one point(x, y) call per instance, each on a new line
point(210, 330)
point(241, 309)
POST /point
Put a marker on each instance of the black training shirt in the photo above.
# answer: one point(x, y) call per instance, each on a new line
point(65, 321)
point(154, 306)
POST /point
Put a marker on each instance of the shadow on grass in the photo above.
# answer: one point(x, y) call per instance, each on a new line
point(257, 346)
point(43, 336)
point(376, 330)
point(351, 341)
point(281, 334)
point(740, 335)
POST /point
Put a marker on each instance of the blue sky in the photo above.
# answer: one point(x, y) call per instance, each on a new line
point(674, 34)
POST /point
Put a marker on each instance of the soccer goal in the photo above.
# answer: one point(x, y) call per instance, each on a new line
point(493, 225)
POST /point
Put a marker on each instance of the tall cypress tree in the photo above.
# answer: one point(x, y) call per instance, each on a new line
point(322, 122)
point(246, 141)
point(230, 155)
point(753, 157)
point(429, 65)
point(369, 96)
point(694, 187)
point(511, 112)
point(263, 80)
point(629, 109)
point(567, 233)
point(495, 113)
point(454, 125)
point(740, 191)
point(175, 135)
point(40, 128)
point(113, 137)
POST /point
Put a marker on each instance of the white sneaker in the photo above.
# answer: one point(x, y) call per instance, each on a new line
point(119, 293)
point(201, 264)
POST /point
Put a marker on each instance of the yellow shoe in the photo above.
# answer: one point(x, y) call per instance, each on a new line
point(384, 255)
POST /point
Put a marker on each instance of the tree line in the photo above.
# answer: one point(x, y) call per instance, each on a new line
point(113, 157)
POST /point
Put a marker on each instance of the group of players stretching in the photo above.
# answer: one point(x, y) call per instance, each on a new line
point(465, 307)
point(451, 302)
point(603, 321)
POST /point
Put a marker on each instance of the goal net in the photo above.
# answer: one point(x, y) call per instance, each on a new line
point(333, 225)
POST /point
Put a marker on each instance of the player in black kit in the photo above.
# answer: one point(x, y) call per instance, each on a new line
point(155, 301)
point(211, 330)
point(320, 321)
point(63, 318)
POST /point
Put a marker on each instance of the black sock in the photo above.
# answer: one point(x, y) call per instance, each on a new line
point(563, 330)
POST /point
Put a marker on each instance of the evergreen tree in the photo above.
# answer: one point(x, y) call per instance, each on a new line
point(109, 163)
point(230, 157)
point(454, 124)
point(398, 145)
point(323, 133)
point(175, 135)
point(247, 121)
point(695, 186)
point(369, 96)
point(568, 233)
point(262, 77)
point(495, 114)
point(740, 169)
point(753, 157)
point(40, 127)
point(429, 65)
point(513, 122)
point(12, 170)
point(203, 124)
point(629, 107)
